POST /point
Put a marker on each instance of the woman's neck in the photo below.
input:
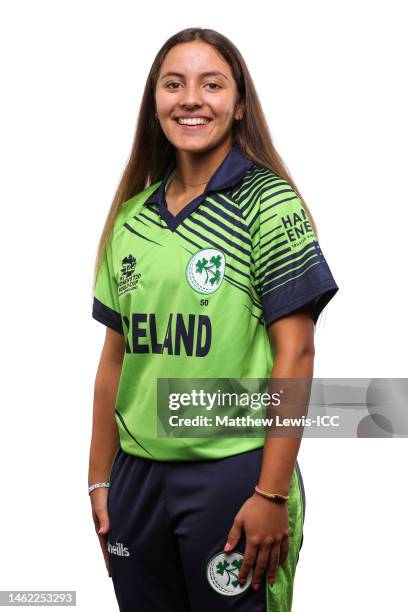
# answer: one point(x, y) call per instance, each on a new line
point(194, 170)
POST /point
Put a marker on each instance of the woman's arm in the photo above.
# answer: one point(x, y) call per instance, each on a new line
point(104, 441)
point(293, 340)
point(266, 523)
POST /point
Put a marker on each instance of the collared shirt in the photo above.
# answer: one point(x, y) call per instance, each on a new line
point(194, 293)
point(229, 173)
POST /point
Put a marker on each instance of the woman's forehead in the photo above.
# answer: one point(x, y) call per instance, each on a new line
point(194, 57)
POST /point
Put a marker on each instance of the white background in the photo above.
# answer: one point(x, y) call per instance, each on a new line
point(331, 78)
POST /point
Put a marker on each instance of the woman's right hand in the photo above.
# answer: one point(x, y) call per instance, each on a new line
point(99, 502)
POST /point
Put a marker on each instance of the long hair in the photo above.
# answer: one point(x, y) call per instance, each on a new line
point(151, 151)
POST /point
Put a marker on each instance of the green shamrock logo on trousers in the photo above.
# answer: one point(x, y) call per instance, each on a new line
point(232, 570)
point(223, 573)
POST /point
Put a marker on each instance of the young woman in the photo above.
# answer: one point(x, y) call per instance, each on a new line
point(208, 267)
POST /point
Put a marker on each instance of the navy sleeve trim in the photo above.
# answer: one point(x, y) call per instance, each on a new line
point(319, 297)
point(107, 316)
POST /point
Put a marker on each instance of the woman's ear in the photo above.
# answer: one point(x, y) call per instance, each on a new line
point(239, 111)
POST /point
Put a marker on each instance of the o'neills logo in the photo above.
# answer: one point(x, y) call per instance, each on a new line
point(118, 549)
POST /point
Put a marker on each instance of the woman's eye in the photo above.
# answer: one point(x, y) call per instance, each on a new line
point(212, 85)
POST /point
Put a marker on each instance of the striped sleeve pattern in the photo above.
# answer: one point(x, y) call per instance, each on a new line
point(289, 268)
point(106, 307)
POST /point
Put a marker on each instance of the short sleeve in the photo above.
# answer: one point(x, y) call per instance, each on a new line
point(106, 307)
point(289, 267)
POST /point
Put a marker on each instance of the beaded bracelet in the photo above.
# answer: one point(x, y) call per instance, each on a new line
point(97, 485)
point(276, 497)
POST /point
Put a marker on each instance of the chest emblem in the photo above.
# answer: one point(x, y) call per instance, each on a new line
point(205, 270)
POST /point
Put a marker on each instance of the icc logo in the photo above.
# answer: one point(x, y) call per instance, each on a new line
point(128, 280)
point(128, 266)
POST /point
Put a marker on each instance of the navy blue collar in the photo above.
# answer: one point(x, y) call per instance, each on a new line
point(233, 168)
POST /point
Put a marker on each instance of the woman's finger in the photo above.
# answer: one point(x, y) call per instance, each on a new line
point(251, 551)
point(261, 565)
point(104, 548)
point(103, 520)
point(274, 561)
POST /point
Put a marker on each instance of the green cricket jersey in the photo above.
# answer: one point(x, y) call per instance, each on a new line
point(193, 294)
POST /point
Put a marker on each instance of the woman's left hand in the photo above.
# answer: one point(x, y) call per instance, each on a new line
point(266, 525)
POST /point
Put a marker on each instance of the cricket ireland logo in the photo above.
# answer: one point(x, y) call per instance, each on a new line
point(205, 270)
point(223, 573)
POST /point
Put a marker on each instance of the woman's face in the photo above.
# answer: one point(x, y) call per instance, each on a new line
point(195, 81)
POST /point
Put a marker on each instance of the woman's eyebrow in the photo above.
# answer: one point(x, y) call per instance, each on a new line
point(203, 74)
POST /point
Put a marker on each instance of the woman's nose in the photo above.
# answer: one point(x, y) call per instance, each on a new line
point(191, 95)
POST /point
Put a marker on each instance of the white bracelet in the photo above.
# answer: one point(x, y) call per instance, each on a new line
point(97, 485)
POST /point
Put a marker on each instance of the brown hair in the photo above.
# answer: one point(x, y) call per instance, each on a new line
point(151, 151)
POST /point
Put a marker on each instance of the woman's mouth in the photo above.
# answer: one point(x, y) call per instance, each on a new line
point(192, 123)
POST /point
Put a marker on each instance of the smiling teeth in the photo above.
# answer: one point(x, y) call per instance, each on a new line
point(193, 121)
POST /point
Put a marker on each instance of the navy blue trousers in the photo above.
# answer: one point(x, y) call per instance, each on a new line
point(169, 522)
